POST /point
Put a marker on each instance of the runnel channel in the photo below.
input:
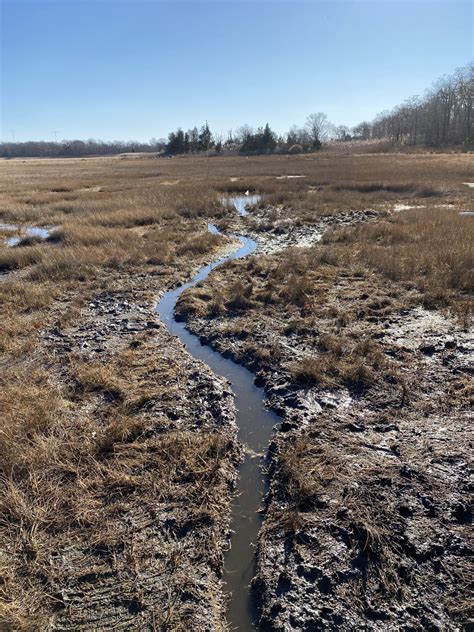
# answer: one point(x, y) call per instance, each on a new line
point(255, 423)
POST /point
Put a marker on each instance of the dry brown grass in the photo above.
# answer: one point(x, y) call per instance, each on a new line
point(100, 185)
point(80, 468)
point(320, 199)
point(77, 248)
point(430, 248)
point(82, 443)
point(341, 361)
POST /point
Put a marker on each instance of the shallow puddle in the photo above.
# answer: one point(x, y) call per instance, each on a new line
point(30, 231)
point(255, 424)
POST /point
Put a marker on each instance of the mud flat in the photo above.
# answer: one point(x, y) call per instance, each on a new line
point(367, 515)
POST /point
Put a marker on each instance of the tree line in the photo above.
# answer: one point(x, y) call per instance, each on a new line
point(441, 118)
point(193, 141)
point(76, 148)
point(248, 140)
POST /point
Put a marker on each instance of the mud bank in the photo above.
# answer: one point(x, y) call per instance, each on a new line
point(366, 521)
point(273, 231)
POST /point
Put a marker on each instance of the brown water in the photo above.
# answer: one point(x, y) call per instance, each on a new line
point(255, 423)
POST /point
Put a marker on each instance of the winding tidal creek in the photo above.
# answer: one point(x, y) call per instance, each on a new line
point(255, 423)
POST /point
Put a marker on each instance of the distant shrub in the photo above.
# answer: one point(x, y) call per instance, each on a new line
point(295, 149)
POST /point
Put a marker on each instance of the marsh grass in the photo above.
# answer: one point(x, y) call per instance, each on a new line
point(77, 251)
point(429, 247)
point(81, 467)
point(84, 442)
point(316, 200)
point(86, 447)
point(341, 362)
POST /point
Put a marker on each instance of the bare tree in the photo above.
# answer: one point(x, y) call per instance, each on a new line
point(362, 130)
point(319, 128)
point(442, 117)
point(342, 133)
point(298, 136)
point(242, 133)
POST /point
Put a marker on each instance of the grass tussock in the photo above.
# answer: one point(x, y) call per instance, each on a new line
point(343, 362)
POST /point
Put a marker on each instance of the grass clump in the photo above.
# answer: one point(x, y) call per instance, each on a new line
point(341, 362)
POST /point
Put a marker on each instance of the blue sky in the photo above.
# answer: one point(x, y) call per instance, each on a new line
point(135, 69)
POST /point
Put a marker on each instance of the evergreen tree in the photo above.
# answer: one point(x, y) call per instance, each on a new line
point(175, 144)
point(263, 141)
point(268, 140)
point(206, 140)
point(194, 139)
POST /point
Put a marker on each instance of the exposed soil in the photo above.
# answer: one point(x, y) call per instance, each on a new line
point(273, 230)
point(367, 515)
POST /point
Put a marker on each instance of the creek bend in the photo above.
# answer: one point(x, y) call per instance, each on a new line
point(255, 425)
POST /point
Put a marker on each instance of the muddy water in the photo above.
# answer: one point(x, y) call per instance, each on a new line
point(255, 423)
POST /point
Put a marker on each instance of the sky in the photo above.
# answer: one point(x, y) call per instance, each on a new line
point(136, 69)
